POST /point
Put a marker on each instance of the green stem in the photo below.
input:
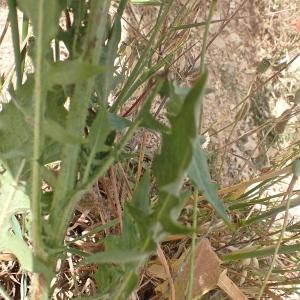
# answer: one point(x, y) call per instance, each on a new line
point(76, 25)
point(193, 248)
point(76, 120)
point(39, 102)
point(25, 26)
point(40, 286)
point(203, 52)
point(112, 50)
point(205, 36)
point(13, 17)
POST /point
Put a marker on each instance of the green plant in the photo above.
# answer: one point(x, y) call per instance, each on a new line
point(70, 130)
point(60, 115)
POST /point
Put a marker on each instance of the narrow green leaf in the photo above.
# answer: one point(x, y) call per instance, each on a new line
point(107, 277)
point(30, 8)
point(97, 139)
point(147, 119)
point(96, 230)
point(116, 257)
point(192, 25)
point(272, 212)
point(199, 174)
point(259, 251)
point(105, 82)
point(139, 209)
point(171, 165)
point(132, 283)
point(16, 228)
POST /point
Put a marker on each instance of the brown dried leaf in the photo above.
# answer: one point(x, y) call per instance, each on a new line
point(206, 274)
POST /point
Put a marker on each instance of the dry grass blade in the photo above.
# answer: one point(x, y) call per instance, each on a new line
point(116, 195)
point(141, 156)
point(230, 288)
point(123, 174)
point(165, 265)
point(244, 185)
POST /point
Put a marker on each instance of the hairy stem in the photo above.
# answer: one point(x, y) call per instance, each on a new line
point(39, 283)
point(77, 118)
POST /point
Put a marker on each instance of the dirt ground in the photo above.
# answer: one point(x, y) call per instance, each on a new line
point(252, 31)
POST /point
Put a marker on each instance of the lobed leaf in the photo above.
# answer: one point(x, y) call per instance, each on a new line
point(31, 8)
